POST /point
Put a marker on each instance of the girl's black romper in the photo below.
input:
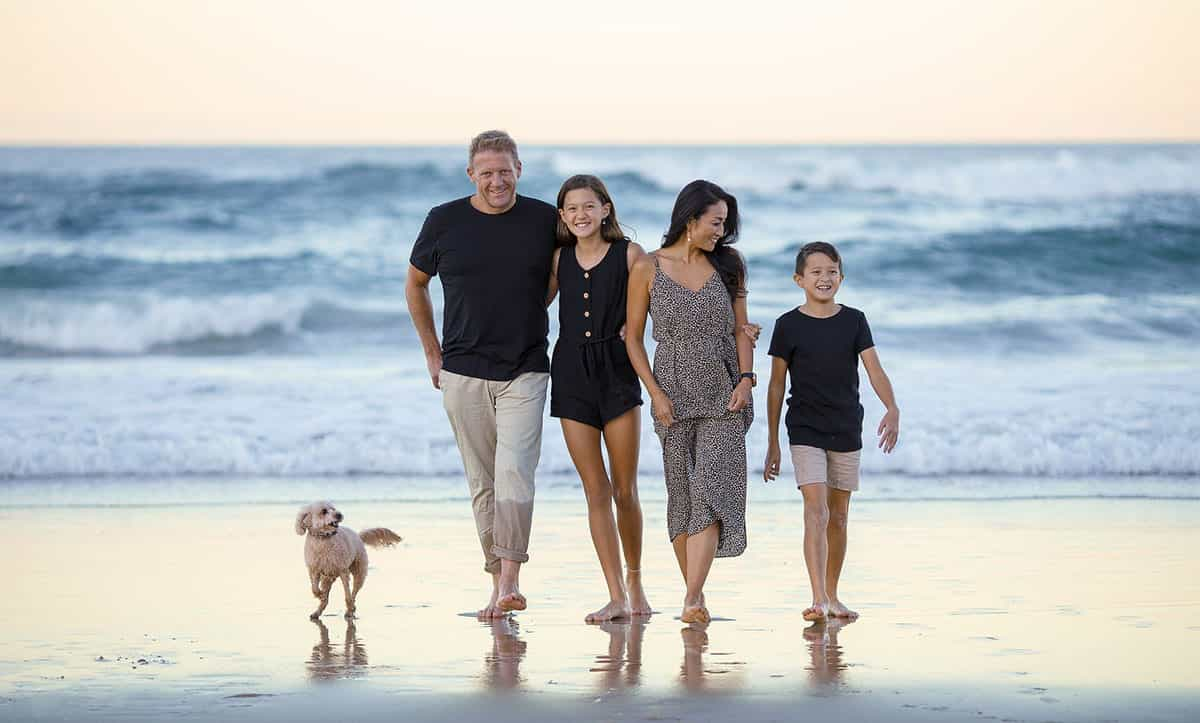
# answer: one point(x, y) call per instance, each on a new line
point(591, 379)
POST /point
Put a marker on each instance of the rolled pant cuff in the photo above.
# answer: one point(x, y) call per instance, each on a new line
point(492, 567)
point(507, 554)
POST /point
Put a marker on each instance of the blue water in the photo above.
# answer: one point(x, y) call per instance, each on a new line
point(238, 313)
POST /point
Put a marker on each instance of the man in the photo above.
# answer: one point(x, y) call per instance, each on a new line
point(492, 251)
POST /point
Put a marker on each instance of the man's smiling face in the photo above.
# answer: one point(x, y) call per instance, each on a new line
point(495, 175)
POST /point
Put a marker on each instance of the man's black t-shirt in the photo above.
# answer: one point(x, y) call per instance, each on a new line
point(822, 356)
point(494, 270)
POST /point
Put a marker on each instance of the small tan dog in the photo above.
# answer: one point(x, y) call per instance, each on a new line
point(332, 551)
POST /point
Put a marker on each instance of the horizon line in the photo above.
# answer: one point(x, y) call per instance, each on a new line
point(262, 143)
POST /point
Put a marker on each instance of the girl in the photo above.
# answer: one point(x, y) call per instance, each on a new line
point(819, 343)
point(695, 289)
point(593, 389)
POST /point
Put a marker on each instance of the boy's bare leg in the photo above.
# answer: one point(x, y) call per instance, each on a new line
point(839, 513)
point(621, 437)
point(583, 442)
point(816, 547)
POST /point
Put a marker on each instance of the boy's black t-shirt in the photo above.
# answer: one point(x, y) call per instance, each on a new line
point(494, 270)
point(822, 356)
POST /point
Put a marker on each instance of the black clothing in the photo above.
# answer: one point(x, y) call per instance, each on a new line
point(495, 269)
point(822, 356)
point(591, 379)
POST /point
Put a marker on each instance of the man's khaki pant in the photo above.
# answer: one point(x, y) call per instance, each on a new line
point(498, 427)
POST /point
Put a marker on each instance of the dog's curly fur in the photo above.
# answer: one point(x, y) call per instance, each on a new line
point(334, 552)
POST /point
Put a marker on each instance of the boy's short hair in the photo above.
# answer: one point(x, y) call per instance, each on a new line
point(818, 247)
point(498, 141)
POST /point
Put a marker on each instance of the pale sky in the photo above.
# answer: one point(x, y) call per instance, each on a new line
point(611, 71)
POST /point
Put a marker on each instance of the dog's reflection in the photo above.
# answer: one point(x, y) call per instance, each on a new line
point(502, 666)
point(621, 665)
point(328, 662)
point(826, 665)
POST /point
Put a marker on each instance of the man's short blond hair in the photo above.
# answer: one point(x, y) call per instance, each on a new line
point(498, 141)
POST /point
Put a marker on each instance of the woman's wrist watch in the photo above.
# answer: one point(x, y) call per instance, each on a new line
point(751, 376)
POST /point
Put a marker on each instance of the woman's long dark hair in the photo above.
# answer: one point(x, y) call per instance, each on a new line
point(610, 229)
point(690, 204)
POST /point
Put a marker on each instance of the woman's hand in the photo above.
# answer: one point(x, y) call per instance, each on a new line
point(752, 331)
point(740, 397)
point(662, 409)
point(771, 465)
point(889, 430)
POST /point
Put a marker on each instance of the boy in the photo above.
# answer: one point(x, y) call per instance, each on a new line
point(818, 344)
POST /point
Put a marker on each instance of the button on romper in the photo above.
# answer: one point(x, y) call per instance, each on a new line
point(704, 451)
point(591, 379)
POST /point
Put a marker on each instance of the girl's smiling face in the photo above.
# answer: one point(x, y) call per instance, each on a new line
point(583, 213)
point(821, 278)
point(709, 228)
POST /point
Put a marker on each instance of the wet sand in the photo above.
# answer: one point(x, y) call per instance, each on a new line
point(1029, 610)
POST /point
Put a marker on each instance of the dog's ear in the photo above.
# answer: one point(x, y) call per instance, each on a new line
point(302, 521)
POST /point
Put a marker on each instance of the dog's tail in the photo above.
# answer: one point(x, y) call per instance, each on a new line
point(379, 537)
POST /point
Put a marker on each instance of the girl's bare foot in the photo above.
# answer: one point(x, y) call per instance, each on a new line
point(614, 610)
point(816, 611)
point(838, 610)
point(639, 606)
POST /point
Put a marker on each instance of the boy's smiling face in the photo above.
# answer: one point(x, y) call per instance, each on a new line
point(821, 279)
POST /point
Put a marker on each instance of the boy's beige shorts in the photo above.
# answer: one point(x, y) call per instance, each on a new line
point(820, 466)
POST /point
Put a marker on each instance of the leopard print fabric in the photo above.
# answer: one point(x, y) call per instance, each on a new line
point(704, 451)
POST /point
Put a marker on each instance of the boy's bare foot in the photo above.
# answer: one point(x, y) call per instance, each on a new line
point(816, 611)
point(511, 601)
point(614, 610)
point(838, 610)
point(639, 606)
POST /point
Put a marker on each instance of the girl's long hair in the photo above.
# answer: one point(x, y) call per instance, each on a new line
point(610, 229)
point(692, 202)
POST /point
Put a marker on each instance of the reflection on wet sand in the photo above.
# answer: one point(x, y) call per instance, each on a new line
point(720, 675)
point(826, 666)
point(502, 666)
point(621, 665)
point(328, 663)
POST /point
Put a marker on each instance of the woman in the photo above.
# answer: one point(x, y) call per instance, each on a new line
point(593, 390)
point(694, 288)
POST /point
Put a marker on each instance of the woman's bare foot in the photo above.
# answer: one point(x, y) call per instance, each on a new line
point(511, 601)
point(816, 611)
point(838, 610)
point(614, 610)
point(696, 613)
point(639, 606)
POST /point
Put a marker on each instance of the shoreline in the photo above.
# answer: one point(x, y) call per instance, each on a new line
point(970, 610)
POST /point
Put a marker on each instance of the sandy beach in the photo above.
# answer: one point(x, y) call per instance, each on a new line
point(1029, 610)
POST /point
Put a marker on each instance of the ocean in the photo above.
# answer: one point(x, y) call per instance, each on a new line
point(228, 323)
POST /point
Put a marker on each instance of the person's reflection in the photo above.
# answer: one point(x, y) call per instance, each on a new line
point(695, 643)
point(503, 663)
point(328, 663)
point(826, 666)
point(621, 665)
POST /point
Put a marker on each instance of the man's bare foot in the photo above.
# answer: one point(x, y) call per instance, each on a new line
point(511, 601)
point(491, 611)
point(816, 611)
point(614, 610)
point(838, 610)
point(639, 606)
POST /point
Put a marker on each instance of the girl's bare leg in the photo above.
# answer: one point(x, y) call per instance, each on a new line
point(839, 513)
point(816, 546)
point(622, 436)
point(583, 442)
